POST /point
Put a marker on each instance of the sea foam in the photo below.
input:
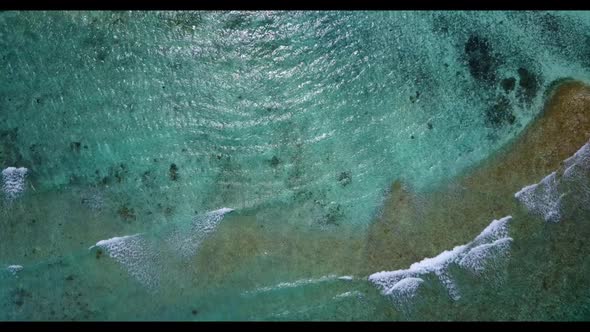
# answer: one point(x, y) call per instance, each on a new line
point(13, 181)
point(476, 256)
point(292, 284)
point(147, 256)
point(567, 187)
point(14, 269)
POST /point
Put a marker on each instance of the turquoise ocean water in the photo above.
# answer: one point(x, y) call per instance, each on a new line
point(173, 128)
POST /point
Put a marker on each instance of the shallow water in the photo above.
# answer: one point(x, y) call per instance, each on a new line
point(345, 143)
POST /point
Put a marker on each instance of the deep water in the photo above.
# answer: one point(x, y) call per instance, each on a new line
point(237, 161)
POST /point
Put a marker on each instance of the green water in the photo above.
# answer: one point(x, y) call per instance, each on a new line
point(145, 122)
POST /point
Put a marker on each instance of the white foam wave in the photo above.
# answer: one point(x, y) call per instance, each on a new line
point(108, 243)
point(14, 269)
point(347, 278)
point(13, 181)
point(348, 294)
point(580, 158)
point(479, 259)
point(406, 287)
point(185, 239)
point(570, 183)
point(148, 257)
point(542, 198)
point(402, 284)
point(134, 254)
point(292, 284)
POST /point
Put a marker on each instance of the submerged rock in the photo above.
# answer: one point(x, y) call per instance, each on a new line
point(345, 178)
point(274, 162)
point(173, 172)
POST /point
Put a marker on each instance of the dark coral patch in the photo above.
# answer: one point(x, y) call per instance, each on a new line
point(550, 23)
point(345, 178)
point(500, 113)
point(75, 146)
point(19, 295)
point(274, 162)
point(173, 172)
point(116, 173)
point(126, 213)
point(508, 84)
point(528, 84)
point(333, 216)
point(480, 59)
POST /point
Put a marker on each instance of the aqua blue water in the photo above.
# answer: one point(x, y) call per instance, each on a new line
point(138, 122)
